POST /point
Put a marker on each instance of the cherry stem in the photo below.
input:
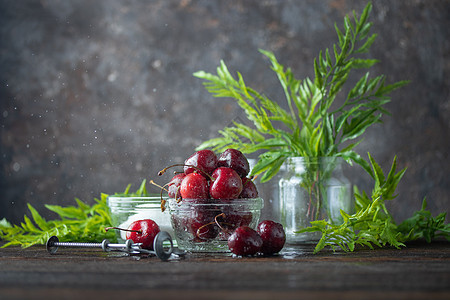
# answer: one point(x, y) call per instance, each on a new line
point(123, 229)
point(211, 223)
point(198, 230)
point(217, 222)
point(163, 201)
point(163, 204)
point(223, 223)
point(179, 198)
point(161, 187)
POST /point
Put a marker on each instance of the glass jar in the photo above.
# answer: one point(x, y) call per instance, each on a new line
point(127, 209)
point(312, 189)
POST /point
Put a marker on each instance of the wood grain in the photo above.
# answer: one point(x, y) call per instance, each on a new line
point(420, 271)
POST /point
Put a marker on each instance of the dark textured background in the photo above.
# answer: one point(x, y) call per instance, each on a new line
point(99, 94)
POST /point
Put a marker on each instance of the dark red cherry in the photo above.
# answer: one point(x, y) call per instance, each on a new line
point(273, 236)
point(249, 189)
point(194, 186)
point(245, 241)
point(174, 185)
point(143, 231)
point(227, 184)
point(205, 160)
point(233, 158)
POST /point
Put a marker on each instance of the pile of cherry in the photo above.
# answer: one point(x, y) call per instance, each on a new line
point(208, 178)
point(222, 179)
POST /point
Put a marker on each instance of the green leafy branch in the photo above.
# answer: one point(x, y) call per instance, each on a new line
point(74, 223)
point(309, 128)
point(422, 225)
point(372, 225)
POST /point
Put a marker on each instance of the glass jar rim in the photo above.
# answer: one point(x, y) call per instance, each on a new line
point(313, 158)
point(125, 202)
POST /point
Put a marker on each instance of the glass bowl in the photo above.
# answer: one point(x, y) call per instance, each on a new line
point(204, 225)
point(126, 209)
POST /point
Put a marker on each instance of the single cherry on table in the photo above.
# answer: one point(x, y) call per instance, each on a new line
point(273, 236)
point(141, 231)
point(245, 241)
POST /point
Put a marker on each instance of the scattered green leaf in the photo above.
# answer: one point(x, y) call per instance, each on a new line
point(372, 225)
point(81, 222)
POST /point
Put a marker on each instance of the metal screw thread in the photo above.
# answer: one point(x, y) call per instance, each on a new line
point(81, 245)
point(53, 243)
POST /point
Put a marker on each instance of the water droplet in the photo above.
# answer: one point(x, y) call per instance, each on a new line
point(112, 77)
point(16, 167)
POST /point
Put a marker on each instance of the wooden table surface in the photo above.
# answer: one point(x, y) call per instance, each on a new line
point(419, 271)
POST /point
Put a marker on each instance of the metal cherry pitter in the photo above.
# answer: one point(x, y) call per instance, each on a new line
point(163, 252)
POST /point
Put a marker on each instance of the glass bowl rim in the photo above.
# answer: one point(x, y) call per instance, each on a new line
point(255, 203)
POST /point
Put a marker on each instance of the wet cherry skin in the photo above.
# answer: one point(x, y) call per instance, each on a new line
point(235, 159)
point(174, 185)
point(144, 231)
point(245, 241)
point(204, 160)
point(194, 186)
point(227, 184)
point(249, 189)
point(273, 236)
